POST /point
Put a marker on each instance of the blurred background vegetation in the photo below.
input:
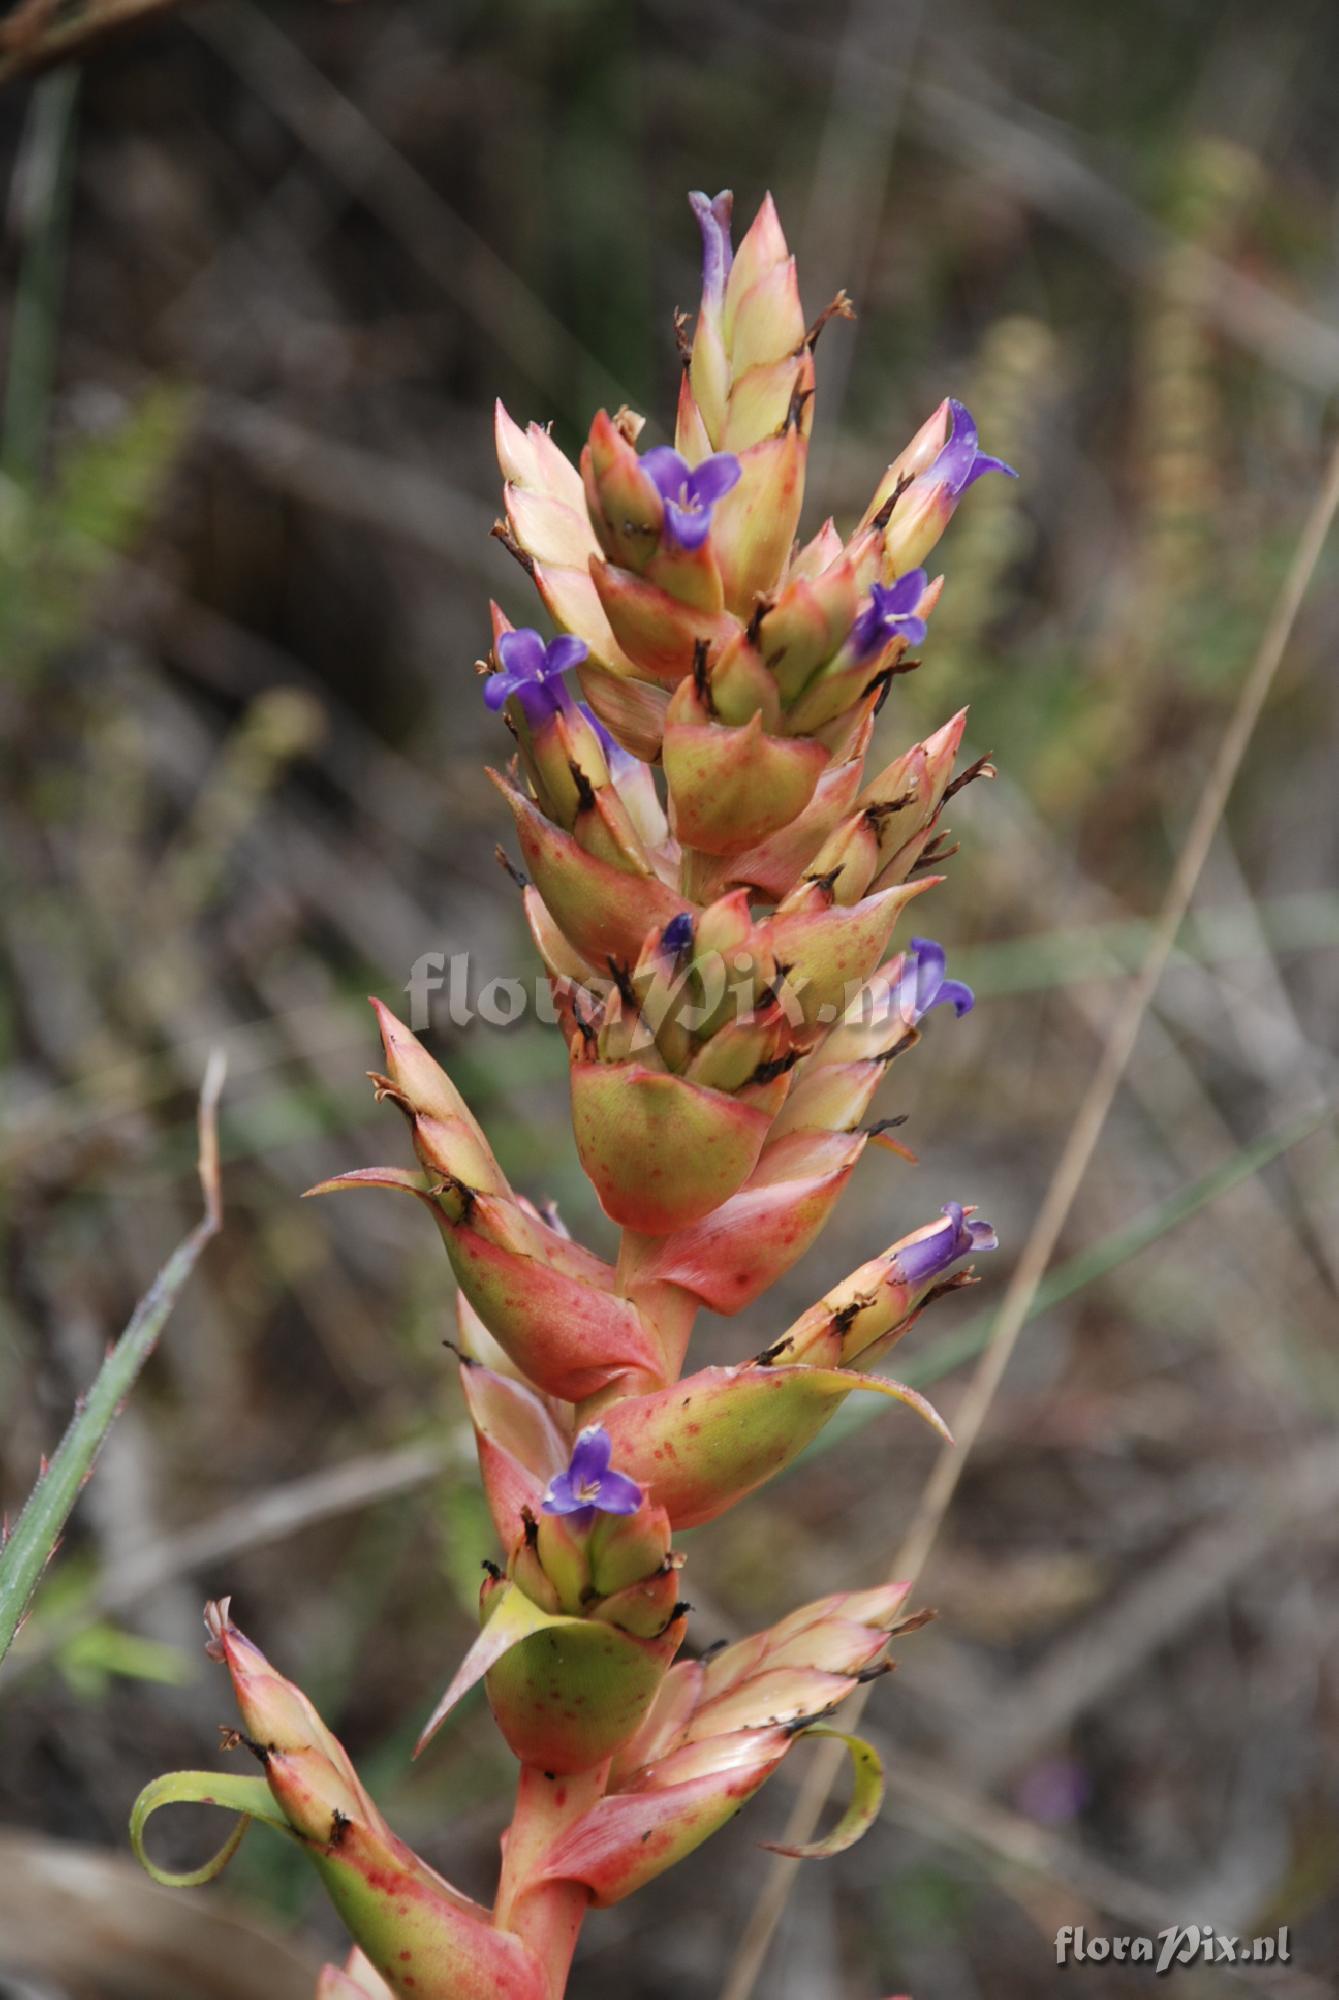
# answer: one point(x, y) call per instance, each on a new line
point(267, 266)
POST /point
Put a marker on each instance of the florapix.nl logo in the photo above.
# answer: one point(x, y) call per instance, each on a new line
point(447, 986)
point(1178, 1945)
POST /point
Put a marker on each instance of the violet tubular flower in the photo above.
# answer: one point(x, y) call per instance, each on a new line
point(690, 492)
point(714, 214)
point(961, 462)
point(589, 1486)
point(891, 613)
point(933, 1253)
point(534, 672)
point(921, 984)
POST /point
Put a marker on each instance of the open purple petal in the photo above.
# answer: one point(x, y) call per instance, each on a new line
point(590, 1456)
point(922, 985)
point(713, 217)
point(714, 478)
point(960, 461)
point(618, 1494)
point(668, 473)
point(588, 1486)
point(931, 959)
point(924, 1259)
point(904, 595)
point(564, 653)
point(522, 653)
point(957, 994)
point(984, 463)
point(889, 614)
point(498, 686)
point(559, 1496)
point(533, 673)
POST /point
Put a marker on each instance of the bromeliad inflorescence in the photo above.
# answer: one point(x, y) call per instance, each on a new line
point(718, 943)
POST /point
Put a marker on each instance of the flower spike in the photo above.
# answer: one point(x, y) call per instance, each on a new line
point(713, 882)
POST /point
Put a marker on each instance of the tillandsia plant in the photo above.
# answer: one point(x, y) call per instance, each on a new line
point(718, 950)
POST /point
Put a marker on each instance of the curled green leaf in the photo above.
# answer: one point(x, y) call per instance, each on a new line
point(250, 1797)
point(862, 1808)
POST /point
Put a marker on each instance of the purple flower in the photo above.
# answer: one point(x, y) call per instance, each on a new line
point(690, 494)
point(921, 984)
point(890, 614)
point(924, 1259)
point(713, 217)
point(533, 672)
point(588, 1487)
point(959, 462)
point(677, 936)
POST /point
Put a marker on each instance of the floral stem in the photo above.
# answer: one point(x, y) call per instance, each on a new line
point(546, 1916)
point(670, 1308)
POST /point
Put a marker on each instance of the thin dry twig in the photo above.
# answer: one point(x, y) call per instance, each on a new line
point(32, 40)
point(1064, 1185)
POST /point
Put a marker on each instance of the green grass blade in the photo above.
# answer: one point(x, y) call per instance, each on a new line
point(30, 1546)
point(44, 215)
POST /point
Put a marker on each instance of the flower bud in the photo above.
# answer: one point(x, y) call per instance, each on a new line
point(661, 1152)
point(429, 1099)
point(549, 528)
point(830, 952)
point(756, 523)
point(773, 866)
point(918, 495)
point(731, 787)
point(419, 1934)
point(735, 687)
point(548, 1302)
point(658, 632)
point(626, 510)
point(715, 1735)
point(603, 910)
